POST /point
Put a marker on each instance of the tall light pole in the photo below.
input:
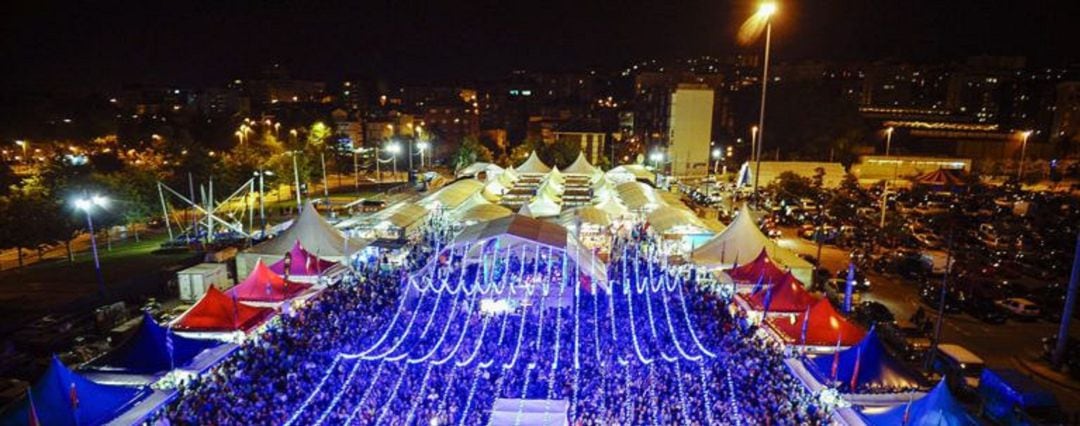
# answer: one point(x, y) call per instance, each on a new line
point(888, 139)
point(1023, 153)
point(394, 148)
point(86, 204)
point(296, 182)
point(423, 146)
point(262, 194)
point(24, 145)
point(765, 12)
point(716, 153)
point(753, 144)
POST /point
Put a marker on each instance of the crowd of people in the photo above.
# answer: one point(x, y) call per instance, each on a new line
point(643, 345)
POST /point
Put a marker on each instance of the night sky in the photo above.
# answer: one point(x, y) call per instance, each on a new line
point(84, 44)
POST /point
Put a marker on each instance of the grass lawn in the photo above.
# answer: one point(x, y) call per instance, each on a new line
point(56, 284)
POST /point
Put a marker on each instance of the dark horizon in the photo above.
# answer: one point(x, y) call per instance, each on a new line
point(62, 46)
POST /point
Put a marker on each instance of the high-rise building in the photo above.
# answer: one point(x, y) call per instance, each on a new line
point(1066, 123)
point(690, 129)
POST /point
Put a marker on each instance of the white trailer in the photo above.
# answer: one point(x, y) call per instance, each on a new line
point(194, 281)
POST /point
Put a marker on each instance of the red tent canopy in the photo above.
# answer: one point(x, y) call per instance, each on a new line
point(824, 328)
point(788, 295)
point(263, 285)
point(940, 177)
point(761, 268)
point(302, 263)
point(218, 312)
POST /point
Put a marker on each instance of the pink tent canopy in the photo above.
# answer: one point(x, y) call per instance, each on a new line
point(303, 263)
point(263, 285)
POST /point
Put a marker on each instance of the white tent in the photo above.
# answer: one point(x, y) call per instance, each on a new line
point(544, 206)
point(580, 166)
point(314, 233)
point(555, 176)
point(630, 172)
point(612, 207)
point(452, 195)
point(533, 166)
point(741, 242)
point(482, 213)
point(478, 167)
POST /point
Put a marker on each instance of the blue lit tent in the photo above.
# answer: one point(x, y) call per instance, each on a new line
point(62, 397)
point(935, 408)
point(876, 368)
point(147, 352)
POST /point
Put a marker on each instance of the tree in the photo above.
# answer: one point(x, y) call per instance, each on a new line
point(8, 179)
point(792, 186)
point(471, 151)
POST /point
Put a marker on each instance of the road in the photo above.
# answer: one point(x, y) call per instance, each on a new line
point(1000, 345)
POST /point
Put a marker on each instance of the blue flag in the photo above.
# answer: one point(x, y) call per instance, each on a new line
point(760, 282)
point(768, 301)
point(849, 288)
point(805, 326)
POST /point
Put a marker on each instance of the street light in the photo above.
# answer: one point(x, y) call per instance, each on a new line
point(262, 206)
point(656, 158)
point(24, 145)
point(888, 139)
point(394, 149)
point(716, 153)
point(86, 204)
point(1023, 152)
point(764, 13)
point(422, 146)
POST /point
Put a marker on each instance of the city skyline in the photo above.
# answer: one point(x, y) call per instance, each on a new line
point(114, 45)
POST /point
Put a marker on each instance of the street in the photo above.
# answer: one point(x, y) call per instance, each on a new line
point(1000, 345)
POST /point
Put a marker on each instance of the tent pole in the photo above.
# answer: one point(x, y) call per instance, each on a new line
point(164, 211)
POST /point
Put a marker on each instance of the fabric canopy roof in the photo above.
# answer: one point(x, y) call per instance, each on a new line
point(406, 214)
point(478, 167)
point(761, 268)
point(484, 213)
point(555, 175)
point(667, 219)
point(940, 178)
point(612, 207)
point(516, 230)
point(742, 241)
point(147, 351)
point(876, 367)
point(788, 295)
point(580, 166)
point(452, 195)
point(585, 215)
point(301, 263)
point(263, 285)
point(630, 172)
point(313, 232)
point(824, 328)
point(61, 397)
point(533, 166)
point(938, 407)
point(543, 206)
point(637, 195)
point(216, 312)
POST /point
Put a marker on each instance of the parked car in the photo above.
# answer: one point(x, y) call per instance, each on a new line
point(931, 296)
point(1020, 308)
point(983, 308)
point(960, 368)
point(1011, 398)
point(870, 312)
point(907, 340)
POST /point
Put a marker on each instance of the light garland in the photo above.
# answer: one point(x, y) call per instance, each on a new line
point(656, 336)
point(341, 391)
point(393, 394)
point(419, 395)
point(705, 394)
point(442, 336)
point(307, 401)
point(682, 392)
point(367, 392)
point(633, 333)
point(690, 326)
point(674, 335)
